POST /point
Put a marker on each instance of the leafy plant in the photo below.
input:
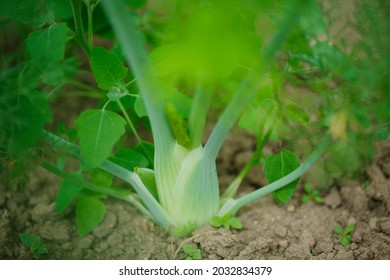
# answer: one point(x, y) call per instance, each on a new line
point(227, 221)
point(192, 252)
point(311, 194)
point(178, 68)
point(345, 234)
point(34, 243)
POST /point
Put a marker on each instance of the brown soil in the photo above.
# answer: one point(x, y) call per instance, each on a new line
point(293, 231)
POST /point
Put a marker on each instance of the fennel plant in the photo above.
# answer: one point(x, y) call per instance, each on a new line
point(209, 48)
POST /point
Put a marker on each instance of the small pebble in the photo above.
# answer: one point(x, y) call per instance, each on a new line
point(290, 208)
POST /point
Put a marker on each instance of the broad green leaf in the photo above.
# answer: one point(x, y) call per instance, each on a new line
point(29, 239)
point(349, 228)
point(42, 250)
point(98, 130)
point(148, 177)
point(139, 107)
point(188, 249)
point(101, 177)
point(147, 149)
point(47, 46)
point(277, 166)
point(136, 3)
point(130, 159)
point(107, 68)
point(255, 114)
point(296, 114)
point(25, 11)
point(337, 229)
point(235, 223)
point(66, 193)
point(216, 221)
point(345, 240)
point(61, 9)
point(90, 212)
point(251, 119)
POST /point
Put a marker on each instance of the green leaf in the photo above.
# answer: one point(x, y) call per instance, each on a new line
point(148, 177)
point(307, 188)
point(90, 212)
point(197, 255)
point(147, 149)
point(101, 177)
point(107, 68)
point(188, 249)
point(29, 239)
point(130, 159)
point(337, 229)
point(140, 108)
point(235, 223)
point(186, 229)
point(305, 198)
point(318, 199)
point(349, 228)
point(98, 130)
point(136, 3)
point(216, 221)
point(277, 166)
point(296, 114)
point(345, 240)
point(42, 250)
point(47, 46)
point(66, 193)
point(25, 11)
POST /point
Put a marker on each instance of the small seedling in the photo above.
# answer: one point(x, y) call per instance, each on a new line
point(312, 194)
point(192, 252)
point(34, 243)
point(226, 221)
point(345, 235)
point(365, 185)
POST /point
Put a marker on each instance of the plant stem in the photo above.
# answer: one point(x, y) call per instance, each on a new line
point(160, 215)
point(229, 117)
point(132, 43)
point(255, 159)
point(122, 194)
point(78, 24)
point(130, 123)
point(198, 115)
point(90, 24)
point(233, 205)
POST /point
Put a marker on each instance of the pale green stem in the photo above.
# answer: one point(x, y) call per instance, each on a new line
point(198, 115)
point(130, 123)
point(229, 117)
point(255, 159)
point(159, 214)
point(117, 193)
point(78, 23)
point(90, 25)
point(233, 205)
point(133, 46)
point(132, 42)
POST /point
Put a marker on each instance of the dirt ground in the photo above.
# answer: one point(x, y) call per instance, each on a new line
point(293, 231)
